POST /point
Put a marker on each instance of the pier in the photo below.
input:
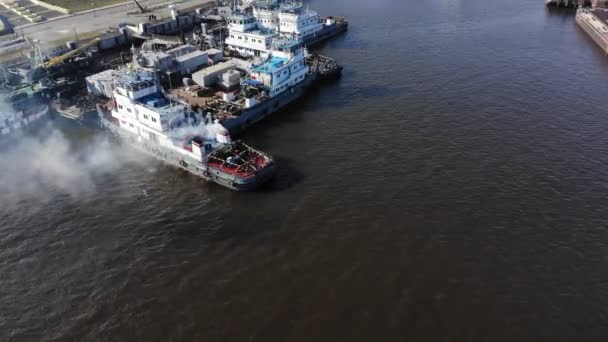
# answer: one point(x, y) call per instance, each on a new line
point(593, 22)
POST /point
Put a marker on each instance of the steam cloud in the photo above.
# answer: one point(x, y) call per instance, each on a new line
point(32, 167)
point(204, 127)
point(37, 166)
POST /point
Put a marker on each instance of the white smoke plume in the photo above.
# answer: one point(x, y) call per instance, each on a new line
point(205, 128)
point(34, 167)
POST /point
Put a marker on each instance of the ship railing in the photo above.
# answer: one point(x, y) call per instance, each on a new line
point(251, 149)
point(247, 148)
point(238, 168)
point(291, 6)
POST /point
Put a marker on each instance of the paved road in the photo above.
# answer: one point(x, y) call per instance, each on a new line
point(86, 24)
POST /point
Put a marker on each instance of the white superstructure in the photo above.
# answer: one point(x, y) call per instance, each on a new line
point(140, 108)
point(251, 35)
point(297, 22)
point(266, 16)
point(283, 69)
point(247, 38)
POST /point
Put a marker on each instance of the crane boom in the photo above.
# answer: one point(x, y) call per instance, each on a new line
point(141, 9)
point(59, 59)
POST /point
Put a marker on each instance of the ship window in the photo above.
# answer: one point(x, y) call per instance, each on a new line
point(145, 117)
point(119, 106)
point(131, 125)
point(153, 119)
point(129, 110)
point(231, 36)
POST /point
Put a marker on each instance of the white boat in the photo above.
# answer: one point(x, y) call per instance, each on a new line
point(251, 34)
point(24, 113)
point(141, 115)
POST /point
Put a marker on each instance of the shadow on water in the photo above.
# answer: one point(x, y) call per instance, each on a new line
point(560, 11)
point(333, 42)
point(291, 113)
point(287, 176)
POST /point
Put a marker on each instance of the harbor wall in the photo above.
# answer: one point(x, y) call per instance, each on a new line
point(596, 28)
point(184, 21)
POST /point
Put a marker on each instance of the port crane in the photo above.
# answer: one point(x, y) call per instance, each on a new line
point(40, 69)
point(60, 59)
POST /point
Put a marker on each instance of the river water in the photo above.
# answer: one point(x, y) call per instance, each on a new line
point(452, 186)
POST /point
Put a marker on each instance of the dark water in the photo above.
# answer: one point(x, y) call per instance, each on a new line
point(452, 186)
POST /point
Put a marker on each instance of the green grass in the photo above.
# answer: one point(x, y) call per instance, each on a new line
point(81, 5)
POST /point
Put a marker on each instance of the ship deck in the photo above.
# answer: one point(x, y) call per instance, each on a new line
point(600, 13)
point(191, 98)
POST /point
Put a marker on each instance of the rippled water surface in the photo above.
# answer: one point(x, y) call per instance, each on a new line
point(452, 186)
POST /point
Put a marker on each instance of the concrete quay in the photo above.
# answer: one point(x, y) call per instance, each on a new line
point(593, 22)
point(91, 23)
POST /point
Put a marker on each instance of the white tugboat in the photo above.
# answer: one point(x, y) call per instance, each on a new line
point(141, 115)
point(278, 80)
point(250, 34)
point(248, 38)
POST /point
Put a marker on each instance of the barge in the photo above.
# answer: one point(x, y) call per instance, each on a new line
point(267, 87)
point(262, 88)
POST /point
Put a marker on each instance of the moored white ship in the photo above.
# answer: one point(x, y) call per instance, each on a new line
point(250, 33)
point(142, 116)
point(24, 113)
point(275, 82)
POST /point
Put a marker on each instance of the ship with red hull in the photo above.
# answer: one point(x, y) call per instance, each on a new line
point(143, 117)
